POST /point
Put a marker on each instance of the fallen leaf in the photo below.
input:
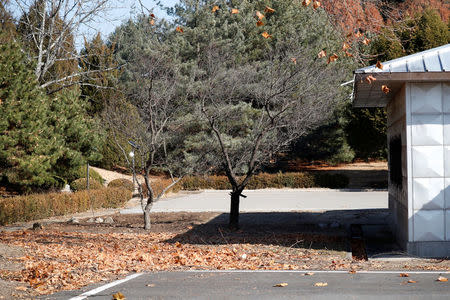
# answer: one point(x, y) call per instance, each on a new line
point(366, 41)
point(369, 79)
point(321, 54)
point(379, 65)
point(348, 54)
point(234, 11)
point(411, 281)
point(259, 23)
point(333, 58)
point(385, 89)
point(179, 29)
point(352, 272)
point(294, 60)
point(283, 284)
point(442, 279)
point(316, 4)
point(306, 2)
point(190, 227)
point(215, 8)
point(345, 46)
point(349, 35)
point(269, 10)
point(266, 35)
point(21, 288)
point(309, 273)
point(259, 15)
point(320, 284)
point(403, 274)
point(358, 34)
point(118, 296)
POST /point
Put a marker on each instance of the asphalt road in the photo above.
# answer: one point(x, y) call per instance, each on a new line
point(270, 200)
point(260, 285)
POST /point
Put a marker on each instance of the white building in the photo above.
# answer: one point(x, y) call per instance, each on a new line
point(417, 99)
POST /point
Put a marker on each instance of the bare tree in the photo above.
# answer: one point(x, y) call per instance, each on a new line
point(255, 110)
point(49, 28)
point(148, 119)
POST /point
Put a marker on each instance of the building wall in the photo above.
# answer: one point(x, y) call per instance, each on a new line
point(398, 192)
point(428, 168)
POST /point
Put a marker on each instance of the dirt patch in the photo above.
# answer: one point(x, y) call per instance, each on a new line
point(9, 288)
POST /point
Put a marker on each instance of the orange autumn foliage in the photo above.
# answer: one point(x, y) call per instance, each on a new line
point(353, 15)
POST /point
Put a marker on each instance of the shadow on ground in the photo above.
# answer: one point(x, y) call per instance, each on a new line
point(363, 179)
point(328, 230)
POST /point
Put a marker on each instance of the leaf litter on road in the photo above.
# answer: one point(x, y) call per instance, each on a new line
point(283, 284)
point(320, 284)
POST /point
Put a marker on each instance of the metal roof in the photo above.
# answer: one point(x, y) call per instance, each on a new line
point(433, 60)
point(428, 66)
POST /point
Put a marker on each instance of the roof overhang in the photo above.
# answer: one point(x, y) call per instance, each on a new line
point(367, 94)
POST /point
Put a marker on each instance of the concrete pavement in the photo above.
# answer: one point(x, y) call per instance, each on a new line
point(270, 200)
point(260, 285)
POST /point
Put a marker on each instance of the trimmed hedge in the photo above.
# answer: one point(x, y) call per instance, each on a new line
point(122, 183)
point(40, 206)
point(80, 185)
point(260, 181)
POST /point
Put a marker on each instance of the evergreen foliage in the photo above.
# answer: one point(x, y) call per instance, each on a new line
point(99, 87)
point(43, 140)
point(81, 134)
point(28, 146)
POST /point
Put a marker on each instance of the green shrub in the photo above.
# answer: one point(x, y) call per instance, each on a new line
point(39, 206)
point(81, 173)
point(81, 184)
point(122, 183)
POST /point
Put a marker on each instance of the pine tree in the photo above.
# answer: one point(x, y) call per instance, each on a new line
point(81, 134)
point(28, 145)
point(97, 88)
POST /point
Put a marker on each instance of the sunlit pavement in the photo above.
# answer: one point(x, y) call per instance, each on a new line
point(270, 200)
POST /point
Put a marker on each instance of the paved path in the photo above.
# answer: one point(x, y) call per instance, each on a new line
point(260, 285)
point(271, 200)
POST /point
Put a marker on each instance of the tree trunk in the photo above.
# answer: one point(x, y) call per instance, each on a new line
point(147, 210)
point(234, 210)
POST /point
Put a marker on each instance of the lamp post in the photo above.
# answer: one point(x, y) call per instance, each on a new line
point(132, 162)
point(131, 154)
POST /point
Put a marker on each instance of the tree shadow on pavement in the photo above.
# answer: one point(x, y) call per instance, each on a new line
point(327, 230)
